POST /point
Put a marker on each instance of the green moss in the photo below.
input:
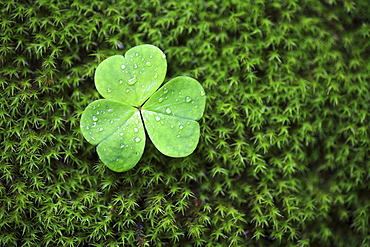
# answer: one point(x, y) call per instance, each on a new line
point(283, 157)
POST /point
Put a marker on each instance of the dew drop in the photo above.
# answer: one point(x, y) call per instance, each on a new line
point(127, 90)
point(136, 130)
point(101, 129)
point(120, 81)
point(122, 145)
point(137, 139)
point(123, 66)
point(168, 110)
point(196, 106)
point(132, 81)
point(97, 113)
point(92, 138)
point(163, 56)
point(87, 127)
point(149, 64)
point(109, 90)
point(181, 127)
point(136, 54)
point(157, 118)
point(95, 118)
point(178, 136)
point(160, 100)
point(135, 66)
point(172, 126)
point(155, 75)
point(188, 122)
point(111, 121)
point(137, 153)
point(202, 93)
point(110, 110)
point(94, 107)
point(165, 90)
point(121, 134)
point(188, 99)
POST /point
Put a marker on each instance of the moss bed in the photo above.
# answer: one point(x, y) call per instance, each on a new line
point(283, 157)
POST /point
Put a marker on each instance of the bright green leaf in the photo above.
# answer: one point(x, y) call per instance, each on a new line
point(132, 78)
point(182, 97)
point(116, 124)
point(169, 116)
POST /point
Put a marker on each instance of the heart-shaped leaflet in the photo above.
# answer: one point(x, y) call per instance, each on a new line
point(116, 124)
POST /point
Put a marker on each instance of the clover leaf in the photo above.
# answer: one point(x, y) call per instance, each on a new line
point(133, 104)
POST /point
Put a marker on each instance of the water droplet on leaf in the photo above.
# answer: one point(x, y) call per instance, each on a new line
point(155, 75)
point(109, 90)
point(137, 139)
point(122, 145)
point(149, 64)
point(120, 81)
point(95, 118)
point(202, 93)
point(123, 66)
point(135, 66)
point(168, 110)
point(181, 127)
point(132, 81)
point(111, 121)
point(157, 118)
point(101, 129)
point(165, 90)
point(188, 99)
point(136, 130)
point(127, 90)
point(160, 100)
point(121, 134)
point(163, 56)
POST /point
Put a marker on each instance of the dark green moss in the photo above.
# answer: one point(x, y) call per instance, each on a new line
point(283, 158)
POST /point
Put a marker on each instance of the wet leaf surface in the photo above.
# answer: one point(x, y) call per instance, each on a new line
point(116, 124)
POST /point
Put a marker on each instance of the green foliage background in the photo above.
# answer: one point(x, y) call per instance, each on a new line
point(283, 158)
